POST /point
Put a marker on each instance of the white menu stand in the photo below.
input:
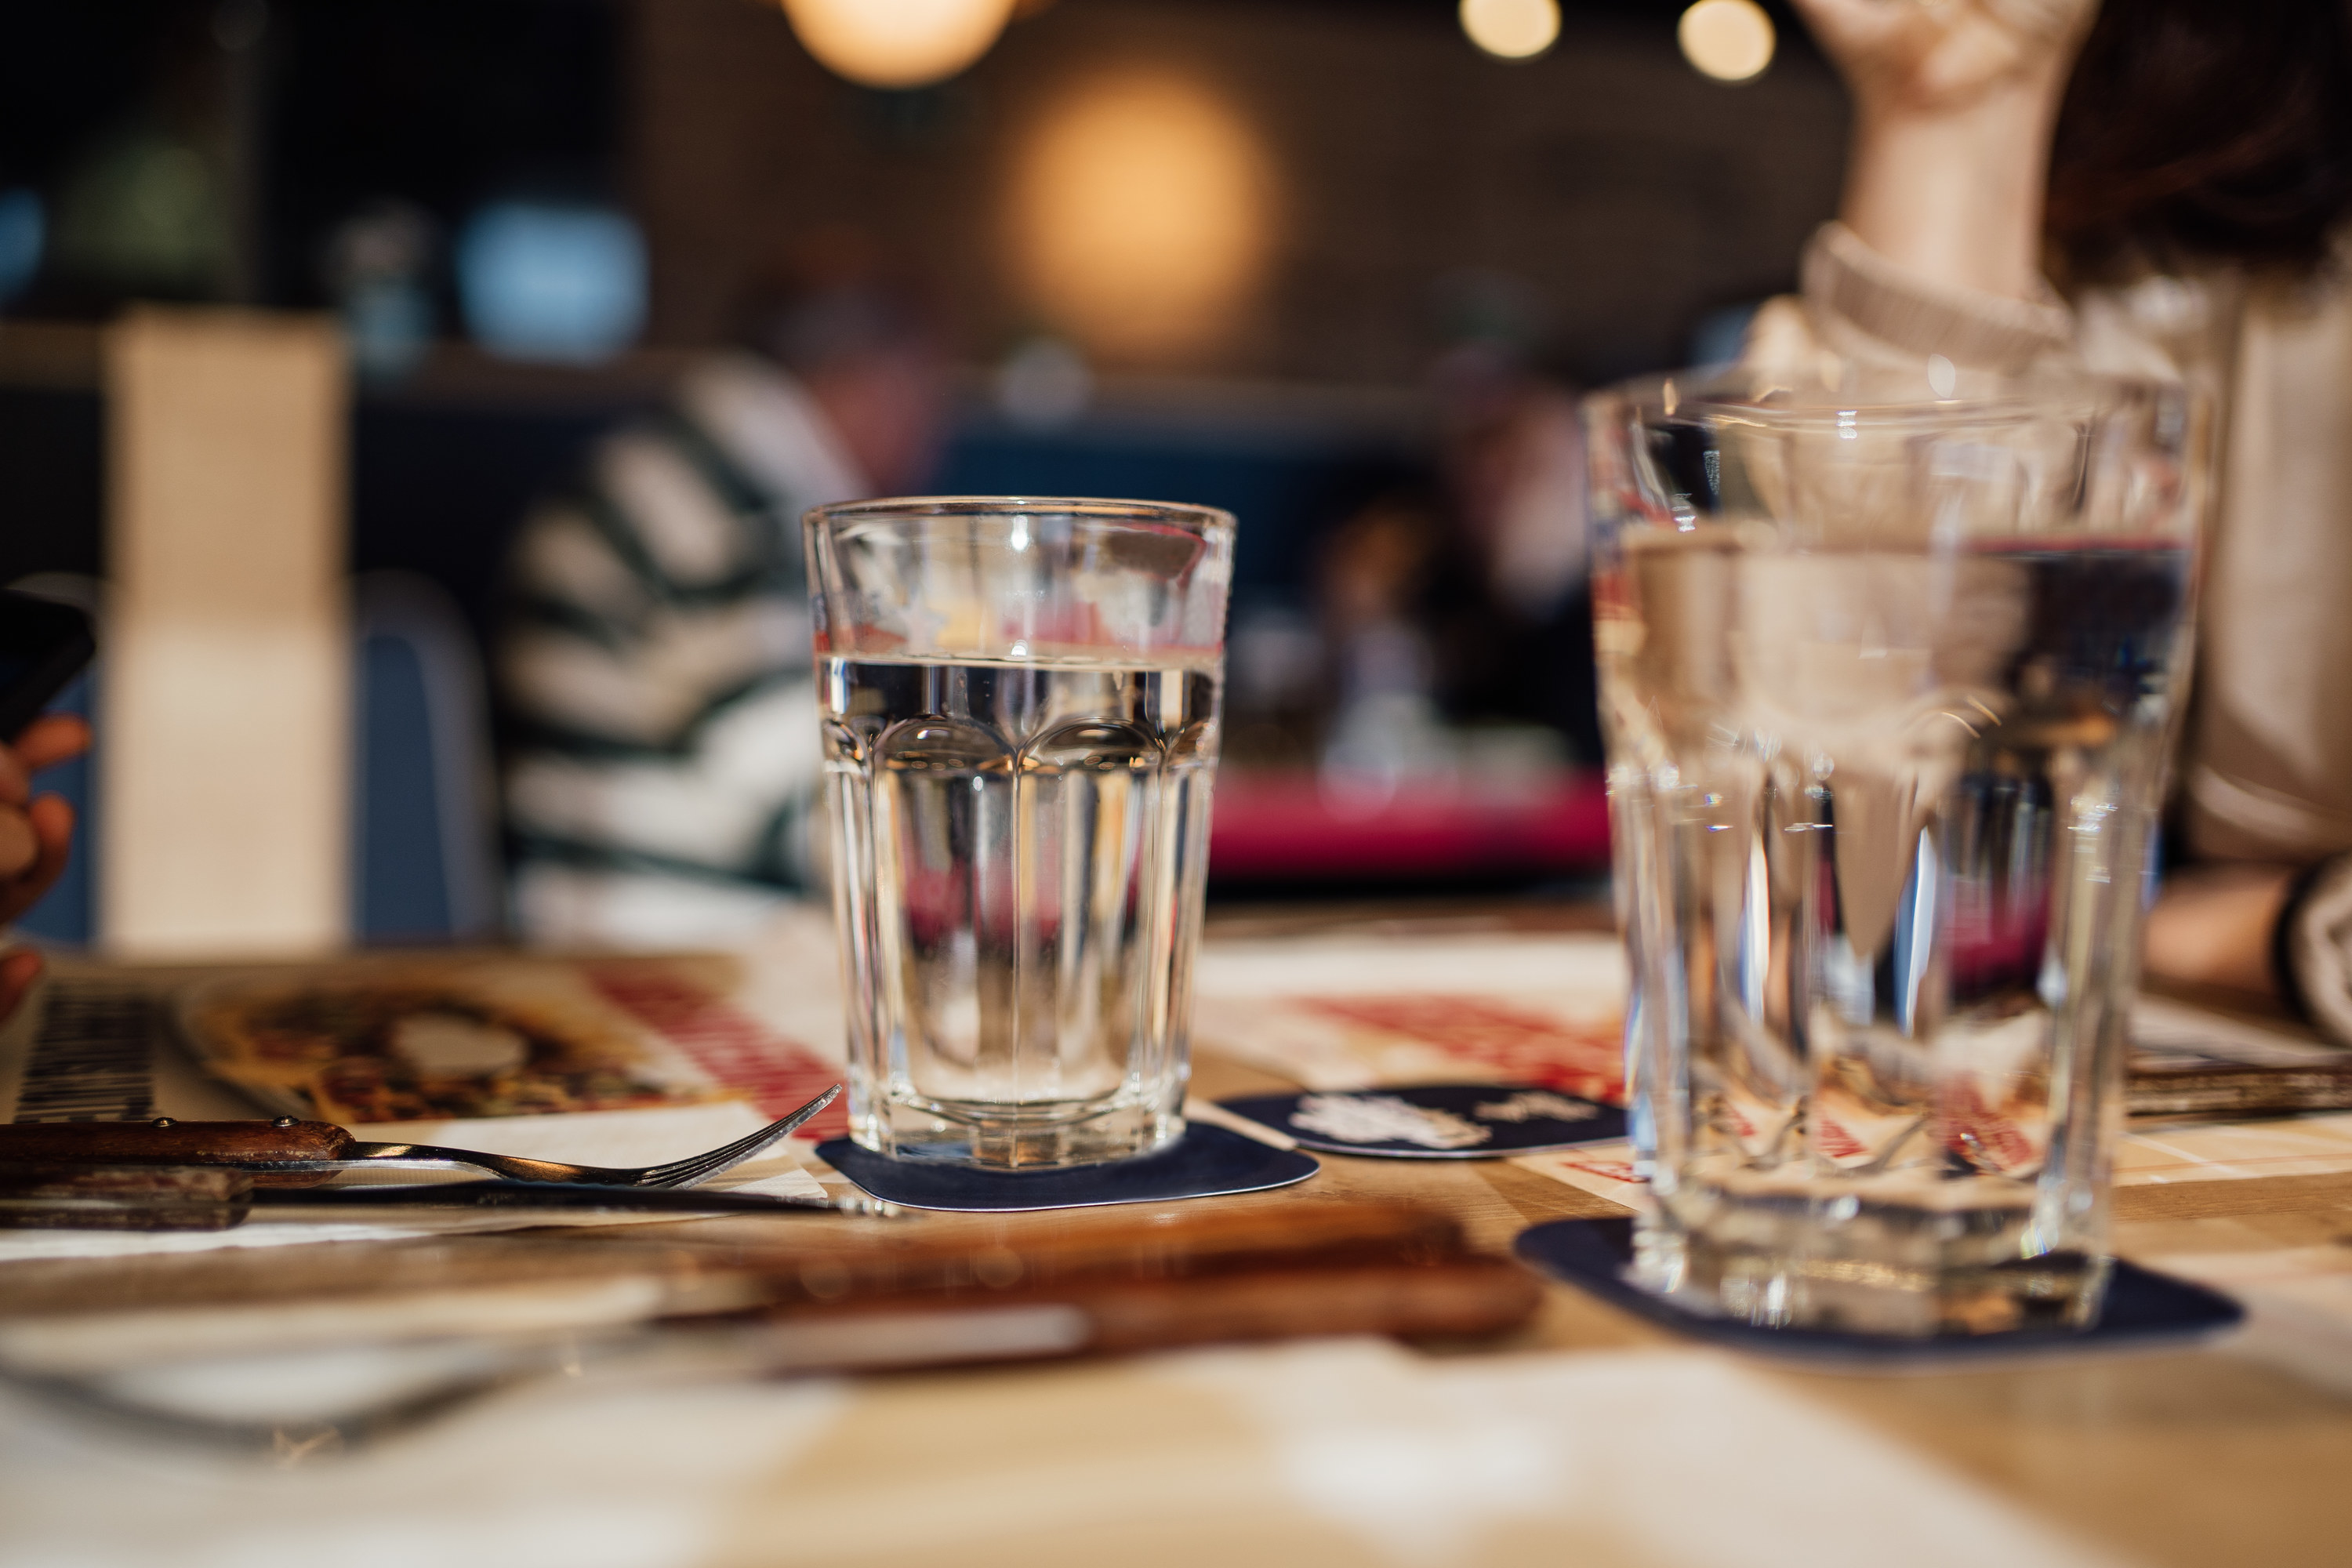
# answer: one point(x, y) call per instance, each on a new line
point(224, 801)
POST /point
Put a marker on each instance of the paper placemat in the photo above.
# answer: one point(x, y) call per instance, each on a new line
point(99, 1043)
point(1373, 1012)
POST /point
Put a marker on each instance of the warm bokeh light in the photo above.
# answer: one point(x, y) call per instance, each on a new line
point(898, 43)
point(1512, 29)
point(1730, 40)
point(1140, 217)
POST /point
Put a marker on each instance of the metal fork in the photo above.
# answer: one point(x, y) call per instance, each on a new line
point(691, 1172)
point(290, 1147)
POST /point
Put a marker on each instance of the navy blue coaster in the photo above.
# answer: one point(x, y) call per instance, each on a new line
point(1205, 1162)
point(2142, 1307)
point(1436, 1121)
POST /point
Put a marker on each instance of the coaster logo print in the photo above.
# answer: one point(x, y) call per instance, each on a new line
point(1537, 1105)
point(1384, 1119)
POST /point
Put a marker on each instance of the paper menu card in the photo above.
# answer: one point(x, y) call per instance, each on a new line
point(224, 804)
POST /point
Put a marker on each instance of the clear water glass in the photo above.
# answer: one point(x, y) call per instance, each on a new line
point(1020, 702)
point(1889, 682)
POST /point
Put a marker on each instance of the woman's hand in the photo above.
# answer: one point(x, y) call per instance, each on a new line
point(1942, 55)
point(1954, 105)
point(35, 834)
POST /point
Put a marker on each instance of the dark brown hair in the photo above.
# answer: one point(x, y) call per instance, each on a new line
point(2205, 129)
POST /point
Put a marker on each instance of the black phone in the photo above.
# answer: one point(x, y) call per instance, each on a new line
point(42, 645)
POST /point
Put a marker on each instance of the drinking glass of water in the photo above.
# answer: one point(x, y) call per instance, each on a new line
point(1019, 706)
point(1889, 680)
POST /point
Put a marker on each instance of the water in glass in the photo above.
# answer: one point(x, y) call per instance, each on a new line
point(1022, 846)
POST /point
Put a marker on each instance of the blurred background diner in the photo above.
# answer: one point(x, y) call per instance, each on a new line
point(526, 327)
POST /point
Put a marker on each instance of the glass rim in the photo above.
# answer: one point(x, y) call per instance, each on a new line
point(1740, 393)
point(1205, 521)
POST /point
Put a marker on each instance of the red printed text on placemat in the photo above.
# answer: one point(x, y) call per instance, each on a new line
point(776, 1074)
point(1517, 1046)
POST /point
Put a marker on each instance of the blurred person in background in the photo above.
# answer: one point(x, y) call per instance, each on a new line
point(2186, 165)
point(1379, 581)
point(1514, 466)
point(35, 835)
point(656, 666)
point(1455, 618)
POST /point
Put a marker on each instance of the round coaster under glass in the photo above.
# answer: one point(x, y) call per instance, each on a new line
point(1205, 1162)
point(2142, 1307)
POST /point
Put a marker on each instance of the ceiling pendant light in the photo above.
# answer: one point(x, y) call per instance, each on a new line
point(898, 43)
point(1730, 40)
point(1512, 29)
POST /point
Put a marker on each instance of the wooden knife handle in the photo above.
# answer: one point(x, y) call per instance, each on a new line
point(124, 1198)
point(164, 1142)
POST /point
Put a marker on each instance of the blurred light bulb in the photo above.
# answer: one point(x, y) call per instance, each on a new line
point(1141, 215)
point(1512, 29)
point(1730, 40)
point(898, 43)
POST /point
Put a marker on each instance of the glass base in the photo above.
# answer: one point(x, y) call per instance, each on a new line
point(1897, 1270)
point(1008, 1137)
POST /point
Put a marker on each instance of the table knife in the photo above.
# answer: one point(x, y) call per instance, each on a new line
point(218, 1197)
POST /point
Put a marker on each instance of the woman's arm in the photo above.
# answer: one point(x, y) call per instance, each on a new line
point(2213, 927)
point(1954, 105)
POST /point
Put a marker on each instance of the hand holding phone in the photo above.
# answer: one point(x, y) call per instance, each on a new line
point(42, 644)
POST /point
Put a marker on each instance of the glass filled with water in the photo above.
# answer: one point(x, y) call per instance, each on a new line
point(1889, 681)
point(1020, 703)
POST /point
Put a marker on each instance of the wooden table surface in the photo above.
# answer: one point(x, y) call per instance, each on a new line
point(2206, 1457)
